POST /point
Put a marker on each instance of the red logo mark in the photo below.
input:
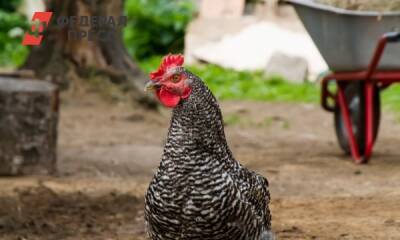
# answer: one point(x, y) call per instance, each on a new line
point(44, 19)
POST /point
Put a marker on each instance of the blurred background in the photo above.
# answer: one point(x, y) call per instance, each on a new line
point(263, 67)
point(235, 41)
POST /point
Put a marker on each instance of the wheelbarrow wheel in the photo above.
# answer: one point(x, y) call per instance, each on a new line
point(355, 97)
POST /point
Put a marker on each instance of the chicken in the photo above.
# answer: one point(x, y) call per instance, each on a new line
point(199, 190)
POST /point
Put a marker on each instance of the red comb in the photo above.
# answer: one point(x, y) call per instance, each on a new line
point(168, 61)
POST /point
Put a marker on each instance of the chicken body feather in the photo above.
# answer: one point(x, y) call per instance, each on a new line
point(199, 190)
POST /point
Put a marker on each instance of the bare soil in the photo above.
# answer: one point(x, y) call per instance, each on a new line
point(108, 153)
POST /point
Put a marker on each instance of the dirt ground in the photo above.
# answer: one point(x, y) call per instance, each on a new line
point(108, 152)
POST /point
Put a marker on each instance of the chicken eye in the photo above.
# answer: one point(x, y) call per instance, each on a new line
point(176, 78)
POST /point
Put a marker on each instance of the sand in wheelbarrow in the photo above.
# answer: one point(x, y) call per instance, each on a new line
point(365, 5)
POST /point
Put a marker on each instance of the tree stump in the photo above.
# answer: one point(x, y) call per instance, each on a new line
point(61, 60)
point(28, 127)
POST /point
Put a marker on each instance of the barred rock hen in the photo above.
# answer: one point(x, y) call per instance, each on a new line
point(199, 190)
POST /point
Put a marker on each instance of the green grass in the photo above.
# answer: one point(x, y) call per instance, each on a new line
point(246, 85)
point(391, 99)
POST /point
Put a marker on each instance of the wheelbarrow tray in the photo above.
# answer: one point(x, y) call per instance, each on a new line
point(347, 39)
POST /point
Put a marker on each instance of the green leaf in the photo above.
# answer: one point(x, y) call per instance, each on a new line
point(156, 26)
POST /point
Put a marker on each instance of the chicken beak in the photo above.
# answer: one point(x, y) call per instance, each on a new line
point(151, 86)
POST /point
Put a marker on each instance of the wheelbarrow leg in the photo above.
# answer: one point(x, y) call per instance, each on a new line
point(348, 124)
point(369, 126)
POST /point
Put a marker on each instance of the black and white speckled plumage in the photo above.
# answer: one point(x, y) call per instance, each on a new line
point(200, 191)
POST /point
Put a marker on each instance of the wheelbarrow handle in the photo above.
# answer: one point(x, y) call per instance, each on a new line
point(389, 37)
point(392, 37)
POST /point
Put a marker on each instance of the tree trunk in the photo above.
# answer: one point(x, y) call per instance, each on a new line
point(60, 58)
point(28, 126)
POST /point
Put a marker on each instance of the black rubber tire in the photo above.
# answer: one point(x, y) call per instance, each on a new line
point(355, 96)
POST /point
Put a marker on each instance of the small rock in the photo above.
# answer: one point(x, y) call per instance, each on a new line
point(293, 229)
point(392, 223)
point(135, 117)
point(5, 222)
point(294, 69)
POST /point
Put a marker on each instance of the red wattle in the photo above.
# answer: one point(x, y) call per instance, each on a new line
point(167, 98)
point(186, 92)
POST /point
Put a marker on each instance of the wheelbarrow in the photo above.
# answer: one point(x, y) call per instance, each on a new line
point(358, 48)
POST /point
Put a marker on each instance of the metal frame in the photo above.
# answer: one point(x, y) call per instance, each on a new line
point(372, 77)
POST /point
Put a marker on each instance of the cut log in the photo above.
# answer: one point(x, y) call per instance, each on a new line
point(28, 126)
